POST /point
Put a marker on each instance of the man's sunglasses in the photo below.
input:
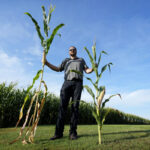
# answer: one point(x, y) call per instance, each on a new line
point(72, 49)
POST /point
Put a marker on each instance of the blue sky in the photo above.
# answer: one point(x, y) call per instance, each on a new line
point(120, 27)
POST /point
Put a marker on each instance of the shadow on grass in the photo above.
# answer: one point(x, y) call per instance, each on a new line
point(87, 135)
point(45, 141)
point(42, 141)
point(146, 131)
point(129, 136)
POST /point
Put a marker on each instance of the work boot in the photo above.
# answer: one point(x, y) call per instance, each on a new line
point(56, 137)
point(73, 137)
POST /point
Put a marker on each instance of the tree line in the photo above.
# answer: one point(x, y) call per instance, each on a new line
point(12, 98)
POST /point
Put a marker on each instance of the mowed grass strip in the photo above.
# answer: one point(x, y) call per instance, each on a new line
point(114, 137)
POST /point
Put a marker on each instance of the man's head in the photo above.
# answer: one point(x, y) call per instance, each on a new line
point(72, 51)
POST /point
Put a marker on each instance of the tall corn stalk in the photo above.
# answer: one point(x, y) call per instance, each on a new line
point(99, 104)
point(45, 43)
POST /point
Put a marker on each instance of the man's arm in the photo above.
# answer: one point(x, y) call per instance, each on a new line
point(52, 66)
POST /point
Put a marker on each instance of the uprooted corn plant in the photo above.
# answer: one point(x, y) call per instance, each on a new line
point(32, 119)
point(98, 95)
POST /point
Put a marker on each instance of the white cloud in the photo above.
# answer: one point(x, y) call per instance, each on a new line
point(30, 63)
point(13, 31)
point(8, 61)
point(11, 68)
point(134, 99)
point(136, 102)
point(35, 49)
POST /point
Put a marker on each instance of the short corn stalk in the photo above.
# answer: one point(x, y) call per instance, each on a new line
point(34, 119)
point(98, 95)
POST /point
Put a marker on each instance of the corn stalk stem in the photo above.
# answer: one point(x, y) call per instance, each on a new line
point(36, 106)
point(99, 134)
point(97, 92)
point(98, 113)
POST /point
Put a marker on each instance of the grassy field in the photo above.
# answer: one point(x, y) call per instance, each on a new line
point(116, 137)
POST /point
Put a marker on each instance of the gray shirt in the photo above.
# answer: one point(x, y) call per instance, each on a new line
point(73, 64)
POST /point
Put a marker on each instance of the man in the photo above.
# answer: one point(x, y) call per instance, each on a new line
point(71, 88)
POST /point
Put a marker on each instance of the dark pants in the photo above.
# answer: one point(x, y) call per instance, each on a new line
point(70, 89)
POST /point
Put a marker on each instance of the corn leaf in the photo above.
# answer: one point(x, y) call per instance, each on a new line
point(105, 67)
point(59, 34)
point(95, 115)
point(91, 58)
point(91, 82)
point(46, 89)
point(28, 90)
point(107, 100)
point(90, 91)
point(50, 13)
point(45, 21)
point(100, 75)
point(103, 118)
point(49, 41)
point(99, 59)
point(102, 70)
point(109, 66)
point(36, 77)
point(104, 52)
point(78, 72)
point(37, 28)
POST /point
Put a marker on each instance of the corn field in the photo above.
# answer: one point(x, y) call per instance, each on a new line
point(11, 98)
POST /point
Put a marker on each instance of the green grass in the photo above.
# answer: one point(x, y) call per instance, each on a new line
point(116, 137)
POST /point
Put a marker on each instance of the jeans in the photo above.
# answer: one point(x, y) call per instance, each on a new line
point(70, 89)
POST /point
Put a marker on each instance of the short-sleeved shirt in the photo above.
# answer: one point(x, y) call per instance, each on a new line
point(73, 64)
